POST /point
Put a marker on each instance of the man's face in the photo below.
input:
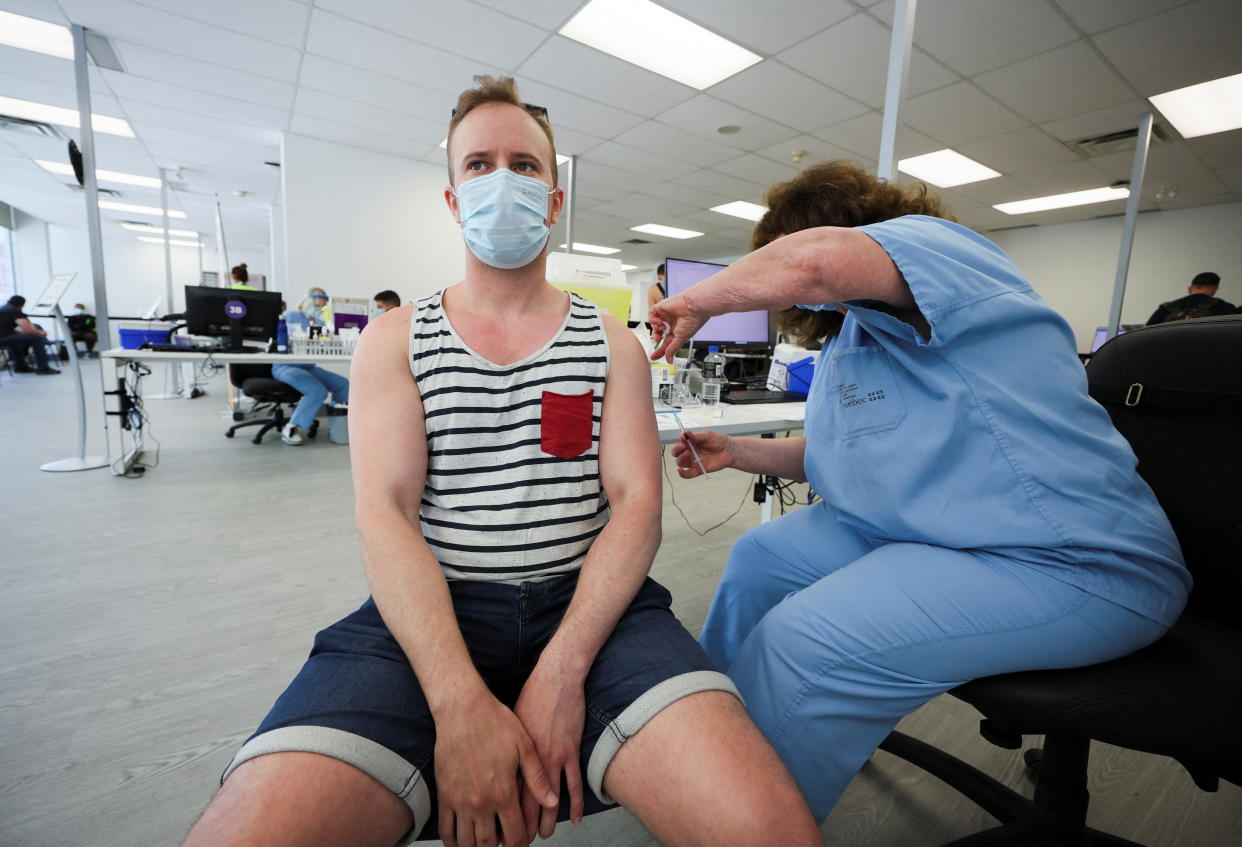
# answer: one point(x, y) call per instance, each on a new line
point(499, 135)
point(383, 307)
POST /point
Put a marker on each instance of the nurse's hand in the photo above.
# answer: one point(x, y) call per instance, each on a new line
point(715, 451)
point(673, 323)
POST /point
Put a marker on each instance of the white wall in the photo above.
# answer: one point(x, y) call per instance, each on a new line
point(357, 222)
point(1073, 266)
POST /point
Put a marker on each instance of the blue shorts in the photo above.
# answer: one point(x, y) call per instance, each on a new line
point(357, 699)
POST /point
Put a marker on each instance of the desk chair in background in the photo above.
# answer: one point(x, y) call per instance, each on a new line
point(1170, 390)
point(270, 394)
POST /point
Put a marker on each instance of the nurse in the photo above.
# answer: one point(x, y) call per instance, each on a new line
point(979, 513)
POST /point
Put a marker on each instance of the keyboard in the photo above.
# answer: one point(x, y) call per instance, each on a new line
point(758, 395)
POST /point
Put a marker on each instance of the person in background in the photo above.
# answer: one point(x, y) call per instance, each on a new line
point(1200, 302)
point(315, 307)
point(19, 335)
point(386, 300)
point(82, 328)
point(241, 278)
point(293, 318)
point(659, 290)
point(315, 383)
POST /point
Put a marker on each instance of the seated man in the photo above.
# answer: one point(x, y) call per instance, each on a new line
point(387, 300)
point(82, 328)
point(1200, 302)
point(21, 336)
point(507, 479)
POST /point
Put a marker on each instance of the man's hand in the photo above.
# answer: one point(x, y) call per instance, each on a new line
point(479, 753)
point(715, 450)
point(673, 323)
point(553, 711)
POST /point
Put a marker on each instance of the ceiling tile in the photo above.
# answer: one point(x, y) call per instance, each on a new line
point(1219, 150)
point(388, 92)
point(852, 57)
point(1098, 15)
point(703, 114)
point(861, 137)
point(1171, 164)
point(602, 174)
point(998, 190)
point(549, 14)
point(1016, 151)
point(365, 46)
point(463, 29)
point(134, 89)
point(656, 137)
point(814, 150)
point(190, 140)
point(571, 141)
point(599, 192)
point(1232, 177)
point(767, 27)
point(687, 195)
point(318, 104)
point(973, 36)
point(576, 112)
point(1065, 81)
point(31, 65)
point(1062, 178)
point(784, 95)
point(720, 183)
point(1101, 122)
point(140, 24)
point(638, 161)
point(1187, 45)
point(196, 75)
point(758, 169)
point(604, 78)
point(345, 134)
point(281, 21)
point(145, 114)
point(959, 113)
point(52, 94)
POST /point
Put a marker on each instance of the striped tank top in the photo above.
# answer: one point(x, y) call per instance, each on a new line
point(513, 490)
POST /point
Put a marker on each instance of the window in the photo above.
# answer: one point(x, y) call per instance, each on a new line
point(8, 275)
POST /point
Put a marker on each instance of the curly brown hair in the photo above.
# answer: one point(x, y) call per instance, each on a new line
point(836, 193)
point(491, 89)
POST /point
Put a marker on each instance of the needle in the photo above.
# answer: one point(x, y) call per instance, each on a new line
point(690, 444)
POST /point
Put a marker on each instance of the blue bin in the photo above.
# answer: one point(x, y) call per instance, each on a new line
point(132, 339)
point(800, 374)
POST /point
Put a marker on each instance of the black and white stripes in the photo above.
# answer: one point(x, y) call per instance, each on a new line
point(513, 489)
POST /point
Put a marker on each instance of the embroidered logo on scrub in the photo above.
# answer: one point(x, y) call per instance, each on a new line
point(849, 395)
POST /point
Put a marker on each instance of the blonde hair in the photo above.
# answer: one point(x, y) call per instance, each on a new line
point(308, 302)
point(490, 89)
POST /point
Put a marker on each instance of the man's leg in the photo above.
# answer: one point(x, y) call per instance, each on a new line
point(313, 394)
point(298, 799)
point(18, 346)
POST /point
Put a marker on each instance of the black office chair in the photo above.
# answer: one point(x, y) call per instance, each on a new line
point(1173, 390)
point(270, 394)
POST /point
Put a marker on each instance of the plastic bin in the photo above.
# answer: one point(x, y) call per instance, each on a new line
point(800, 374)
point(132, 339)
point(338, 425)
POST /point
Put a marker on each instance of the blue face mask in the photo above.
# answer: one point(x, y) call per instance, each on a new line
point(502, 218)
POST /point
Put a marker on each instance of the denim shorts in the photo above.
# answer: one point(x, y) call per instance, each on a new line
point(357, 699)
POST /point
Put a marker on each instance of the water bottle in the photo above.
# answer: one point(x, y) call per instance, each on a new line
point(282, 337)
point(713, 365)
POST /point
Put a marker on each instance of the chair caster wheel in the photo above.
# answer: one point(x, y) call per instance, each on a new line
point(1033, 758)
point(229, 434)
point(256, 441)
point(238, 417)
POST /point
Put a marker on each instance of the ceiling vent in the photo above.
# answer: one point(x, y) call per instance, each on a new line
point(635, 241)
point(28, 127)
point(100, 49)
point(1120, 141)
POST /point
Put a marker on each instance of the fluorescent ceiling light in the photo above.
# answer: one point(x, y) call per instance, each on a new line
point(65, 169)
point(594, 248)
point(946, 168)
point(629, 267)
point(159, 230)
point(36, 35)
point(1061, 201)
point(560, 158)
point(139, 210)
point(666, 231)
point(64, 117)
point(174, 242)
point(652, 37)
point(1205, 108)
point(742, 209)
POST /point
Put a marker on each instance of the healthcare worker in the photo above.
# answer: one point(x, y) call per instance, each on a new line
point(979, 512)
point(315, 307)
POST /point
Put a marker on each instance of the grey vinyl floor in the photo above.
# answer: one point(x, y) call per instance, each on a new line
point(146, 625)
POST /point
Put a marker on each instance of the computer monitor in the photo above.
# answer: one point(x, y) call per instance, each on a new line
point(232, 314)
point(734, 329)
point(1101, 336)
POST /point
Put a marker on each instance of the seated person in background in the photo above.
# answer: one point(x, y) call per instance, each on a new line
point(387, 300)
point(315, 383)
point(21, 336)
point(1201, 302)
point(659, 290)
point(82, 328)
point(241, 278)
point(315, 307)
point(507, 480)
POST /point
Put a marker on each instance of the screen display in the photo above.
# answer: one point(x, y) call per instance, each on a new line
point(735, 328)
point(1101, 335)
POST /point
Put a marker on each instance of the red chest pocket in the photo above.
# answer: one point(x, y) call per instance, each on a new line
point(565, 427)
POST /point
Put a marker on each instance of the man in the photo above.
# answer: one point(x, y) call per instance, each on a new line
point(507, 481)
point(1200, 302)
point(659, 290)
point(82, 328)
point(20, 336)
point(387, 300)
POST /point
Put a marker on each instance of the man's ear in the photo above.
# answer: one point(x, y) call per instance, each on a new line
point(556, 202)
point(451, 200)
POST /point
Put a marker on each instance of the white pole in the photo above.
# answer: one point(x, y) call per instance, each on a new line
point(172, 370)
point(898, 72)
point(1142, 143)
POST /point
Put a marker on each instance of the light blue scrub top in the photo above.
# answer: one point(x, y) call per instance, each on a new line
point(983, 437)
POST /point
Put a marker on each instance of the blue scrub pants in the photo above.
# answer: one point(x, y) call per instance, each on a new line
point(832, 639)
point(314, 383)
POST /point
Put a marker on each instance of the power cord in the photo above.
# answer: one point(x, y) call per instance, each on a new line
point(672, 493)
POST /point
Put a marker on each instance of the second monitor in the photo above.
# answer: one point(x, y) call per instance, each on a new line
point(738, 328)
point(232, 315)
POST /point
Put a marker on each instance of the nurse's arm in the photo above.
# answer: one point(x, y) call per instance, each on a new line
point(779, 457)
point(812, 266)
